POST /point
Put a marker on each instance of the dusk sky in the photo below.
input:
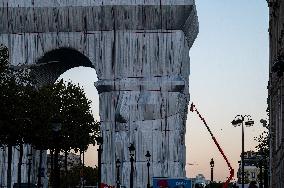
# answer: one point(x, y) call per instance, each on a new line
point(229, 75)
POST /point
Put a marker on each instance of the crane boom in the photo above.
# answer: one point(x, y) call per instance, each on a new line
point(231, 175)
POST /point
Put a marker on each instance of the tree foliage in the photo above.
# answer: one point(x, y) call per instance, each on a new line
point(27, 112)
point(15, 90)
point(68, 102)
point(4, 60)
point(263, 142)
point(263, 150)
point(88, 174)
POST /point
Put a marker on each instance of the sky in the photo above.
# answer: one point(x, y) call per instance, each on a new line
point(229, 75)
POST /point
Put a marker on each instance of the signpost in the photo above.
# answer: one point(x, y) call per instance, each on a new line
point(172, 183)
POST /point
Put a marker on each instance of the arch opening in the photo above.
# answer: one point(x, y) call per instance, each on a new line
point(52, 66)
point(85, 77)
point(70, 65)
point(54, 63)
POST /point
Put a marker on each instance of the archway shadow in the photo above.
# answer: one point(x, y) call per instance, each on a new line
point(54, 63)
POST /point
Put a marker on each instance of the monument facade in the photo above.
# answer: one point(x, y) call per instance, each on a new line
point(140, 51)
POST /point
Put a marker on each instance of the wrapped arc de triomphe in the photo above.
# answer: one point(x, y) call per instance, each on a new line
point(140, 51)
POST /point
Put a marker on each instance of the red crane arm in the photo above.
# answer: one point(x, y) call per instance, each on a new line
point(231, 175)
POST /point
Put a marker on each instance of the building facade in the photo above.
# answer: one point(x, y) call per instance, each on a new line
point(251, 167)
point(276, 92)
point(30, 161)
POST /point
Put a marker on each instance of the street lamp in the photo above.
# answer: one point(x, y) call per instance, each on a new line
point(99, 141)
point(131, 151)
point(148, 156)
point(212, 166)
point(56, 128)
point(117, 164)
point(239, 121)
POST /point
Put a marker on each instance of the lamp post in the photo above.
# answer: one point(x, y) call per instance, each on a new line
point(131, 151)
point(148, 156)
point(212, 166)
point(117, 164)
point(56, 128)
point(99, 141)
point(239, 121)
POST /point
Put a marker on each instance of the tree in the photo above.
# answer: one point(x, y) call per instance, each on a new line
point(68, 102)
point(4, 62)
point(26, 113)
point(263, 143)
point(78, 122)
point(15, 87)
point(78, 125)
point(263, 150)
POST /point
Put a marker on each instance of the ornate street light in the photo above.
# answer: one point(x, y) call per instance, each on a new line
point(239, 121)
point(99, 141)
point(117, 164)
point(131, 151)
point(148, 156)
point(212, 166)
